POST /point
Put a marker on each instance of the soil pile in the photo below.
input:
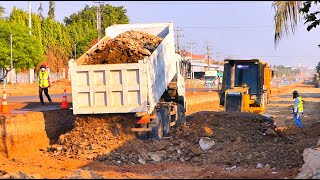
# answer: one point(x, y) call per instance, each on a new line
point(240, 139)
point(94, 135)
point(128, 47)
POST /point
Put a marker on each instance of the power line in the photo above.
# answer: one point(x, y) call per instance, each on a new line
point(187, 3)
point(99, 18)
point(177, 36)
point(225, 27)
point(208, 48)
point(192, 72)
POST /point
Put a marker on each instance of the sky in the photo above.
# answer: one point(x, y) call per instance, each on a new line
point(232, 29)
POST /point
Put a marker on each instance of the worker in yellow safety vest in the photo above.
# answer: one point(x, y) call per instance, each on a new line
point(298, 108)
point(44, 83)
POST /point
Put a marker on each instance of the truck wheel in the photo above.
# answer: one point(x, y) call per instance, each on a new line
point(157, 128)
point(142, 135)
point(165, 120)
point(181, 115)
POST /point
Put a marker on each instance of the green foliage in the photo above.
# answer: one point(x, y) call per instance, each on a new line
point(51, 14)
point(309, 17)
point(50, 33)
point(281, 70)
point(52, 41)
point(82, 25)
point(109, 15)
point(26, 49)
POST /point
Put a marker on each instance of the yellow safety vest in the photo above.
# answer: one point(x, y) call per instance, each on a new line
point(44, 79)
point(300, 105)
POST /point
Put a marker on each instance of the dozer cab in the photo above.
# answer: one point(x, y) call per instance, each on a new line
point(246, 86)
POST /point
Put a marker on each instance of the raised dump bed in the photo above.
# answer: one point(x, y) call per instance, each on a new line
point(127, 87)
point(151, 88)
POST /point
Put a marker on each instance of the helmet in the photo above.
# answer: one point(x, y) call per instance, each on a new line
point(295, 92)
point(43, 65)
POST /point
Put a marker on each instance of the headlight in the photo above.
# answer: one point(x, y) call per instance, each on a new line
point(253, 97)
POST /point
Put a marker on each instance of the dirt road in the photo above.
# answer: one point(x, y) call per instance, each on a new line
point(282, 104)
point(218, 163)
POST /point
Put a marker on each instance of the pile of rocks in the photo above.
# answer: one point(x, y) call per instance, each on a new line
point(128, 47)
point(18, 175)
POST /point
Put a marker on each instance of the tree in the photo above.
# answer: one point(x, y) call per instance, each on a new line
point(27, 51)
point(57, 44)
point(288, 14)
point(1, 11)
point(51, 9)
point(21, 17)
point(82, 25)
point(109, 14)
point(318, 68)
point(311, 19)
point(53, 36)
point(40, 10)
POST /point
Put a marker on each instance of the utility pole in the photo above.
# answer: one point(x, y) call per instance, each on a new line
point(75, 51)
point(31, 71)
point(11, 51)
point(99, 19)
point(192, 73)
point(208, 48)
point(219, 55)
point(177, 36)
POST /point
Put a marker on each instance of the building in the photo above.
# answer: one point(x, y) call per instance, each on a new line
point(199, 64)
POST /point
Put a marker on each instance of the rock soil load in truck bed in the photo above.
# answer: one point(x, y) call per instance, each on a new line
point(240, 139)
point(128, 47)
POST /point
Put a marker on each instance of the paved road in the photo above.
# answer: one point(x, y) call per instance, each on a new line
point(33, 103)
point(32, 98)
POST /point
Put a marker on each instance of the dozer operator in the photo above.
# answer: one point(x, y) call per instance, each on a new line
point(246, 85)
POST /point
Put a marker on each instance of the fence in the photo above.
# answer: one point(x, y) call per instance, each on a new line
point(21, 77)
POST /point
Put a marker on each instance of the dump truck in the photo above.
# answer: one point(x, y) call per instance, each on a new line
point(246, 85)
point(153, 89)
point(211, 78)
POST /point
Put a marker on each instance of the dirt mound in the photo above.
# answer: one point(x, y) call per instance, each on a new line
point(128, 47)
point(94, 135)
point(240, 139)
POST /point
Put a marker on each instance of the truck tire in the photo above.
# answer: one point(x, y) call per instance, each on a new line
point(141, 135)
point(165, 121)
point(157, 128)
point(181, 115)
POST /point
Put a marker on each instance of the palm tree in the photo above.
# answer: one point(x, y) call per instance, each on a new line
point(287, 16)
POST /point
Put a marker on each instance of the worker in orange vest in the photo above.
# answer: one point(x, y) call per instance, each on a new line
point(44, 83)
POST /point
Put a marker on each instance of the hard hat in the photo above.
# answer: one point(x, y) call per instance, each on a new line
point(295, 92)
point(43, 65)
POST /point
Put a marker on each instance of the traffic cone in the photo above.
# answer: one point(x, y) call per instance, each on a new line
point(4, 104)
point(64, 104)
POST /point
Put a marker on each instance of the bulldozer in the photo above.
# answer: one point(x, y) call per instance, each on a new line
point(246, 85)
